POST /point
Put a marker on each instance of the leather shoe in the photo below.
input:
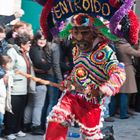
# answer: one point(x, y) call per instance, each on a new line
point(127, 117)
point(36, 130)
point(109, 119)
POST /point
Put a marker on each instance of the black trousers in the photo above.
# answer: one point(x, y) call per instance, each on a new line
point(13, 122)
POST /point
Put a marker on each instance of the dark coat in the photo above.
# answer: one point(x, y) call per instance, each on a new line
point(3, 50)
point(39, 61)
point(3, 47)
point(6, 19)
point(51, 61)
point(53, 56)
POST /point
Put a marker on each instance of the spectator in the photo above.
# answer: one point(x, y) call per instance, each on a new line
point(29, 30)
point(54, 75)
point(36, 100)
point(66, 60)
point(3, 47)
point(3, 43)
point(18, 28)
point(21, 62)
point(137, 67)
point(107, 117)
point(5, 63)
point(52, 55)
point(125, 53)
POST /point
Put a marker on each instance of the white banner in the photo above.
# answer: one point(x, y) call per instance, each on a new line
point(6, 7)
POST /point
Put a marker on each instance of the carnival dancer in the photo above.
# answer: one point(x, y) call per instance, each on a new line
point(96, 73)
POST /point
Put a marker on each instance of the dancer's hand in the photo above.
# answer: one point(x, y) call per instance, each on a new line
point(95, 92)
point(66, 85)
point(105, 90)
point(92, 91)
point(61, 87)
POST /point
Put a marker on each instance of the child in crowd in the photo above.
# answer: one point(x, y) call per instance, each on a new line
point(5, 83)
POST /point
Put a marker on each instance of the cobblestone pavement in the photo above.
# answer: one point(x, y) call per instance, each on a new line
point(128, 129)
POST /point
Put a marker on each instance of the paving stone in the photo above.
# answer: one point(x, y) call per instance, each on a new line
point(128, 129)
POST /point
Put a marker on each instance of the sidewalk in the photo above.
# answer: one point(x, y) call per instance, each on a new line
point(128, 129)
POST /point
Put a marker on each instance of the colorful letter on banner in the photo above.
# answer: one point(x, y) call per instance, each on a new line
point(66, 8)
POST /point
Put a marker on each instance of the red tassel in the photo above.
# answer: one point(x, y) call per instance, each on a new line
point(55, 131)
point(134, 27)
point(44, 15)
point(78, 19)
point(114, 3)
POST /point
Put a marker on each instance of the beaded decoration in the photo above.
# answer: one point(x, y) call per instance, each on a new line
point(98, 24)
point(92, 69)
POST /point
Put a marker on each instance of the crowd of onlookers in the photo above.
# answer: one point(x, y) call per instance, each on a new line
point(30, 102)
point(25, 104)
point(128, 99)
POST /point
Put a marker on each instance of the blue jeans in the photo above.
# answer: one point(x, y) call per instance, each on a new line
point(106, 107)
point(33, 110)
point(112, 106)
point(51, 100)
point(123, 104)
point(1, 122)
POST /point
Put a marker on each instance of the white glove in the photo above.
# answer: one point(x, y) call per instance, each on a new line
point(19, 13)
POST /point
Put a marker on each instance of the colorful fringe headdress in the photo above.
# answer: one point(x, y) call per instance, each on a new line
point(123, 23)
